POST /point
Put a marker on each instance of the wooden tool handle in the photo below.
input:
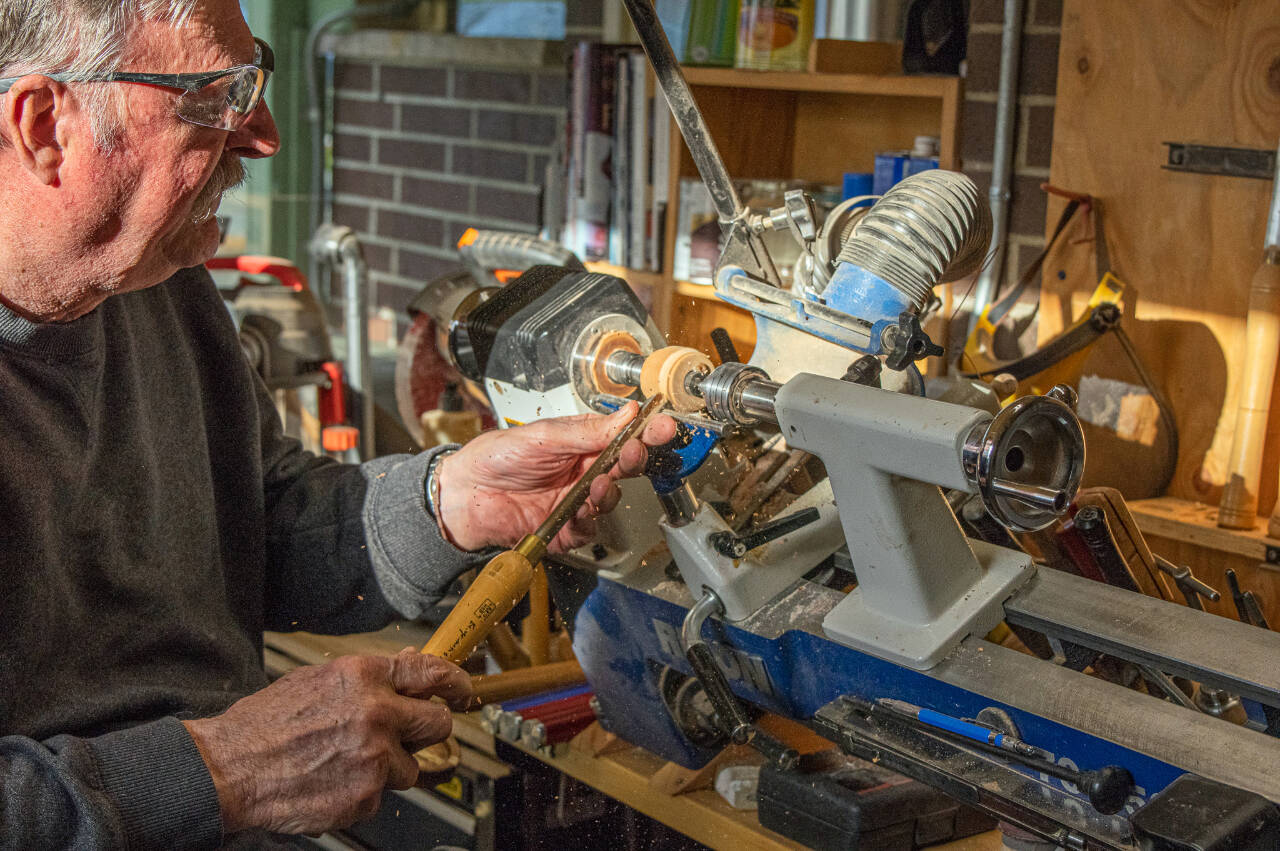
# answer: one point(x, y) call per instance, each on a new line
point(497, 688)
point(1239, 505)
point(490, 598)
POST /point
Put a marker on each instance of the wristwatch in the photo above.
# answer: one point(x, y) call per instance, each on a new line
point(432, 483)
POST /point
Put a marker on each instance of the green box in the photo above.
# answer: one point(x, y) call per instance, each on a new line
point(713, 32)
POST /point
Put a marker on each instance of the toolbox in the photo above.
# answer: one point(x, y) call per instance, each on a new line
point(843, 803)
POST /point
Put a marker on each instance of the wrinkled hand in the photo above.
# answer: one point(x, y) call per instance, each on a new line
point(314, 750)
point(500, 486)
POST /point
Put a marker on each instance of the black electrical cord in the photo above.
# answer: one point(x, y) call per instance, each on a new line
point(1162, 403)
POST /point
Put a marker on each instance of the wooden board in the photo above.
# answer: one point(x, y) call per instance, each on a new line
point(1188, 533)
point(780, 125)
point(1131, 76)
point(1197, 523)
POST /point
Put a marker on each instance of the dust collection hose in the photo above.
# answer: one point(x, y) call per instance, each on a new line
point(930, 228)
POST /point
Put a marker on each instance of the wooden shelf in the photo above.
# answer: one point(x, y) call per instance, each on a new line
point(1197, 524)
point(802, 125)
point(691, 290)
point(1187, 532)
point(800, 81)
point(635, 277)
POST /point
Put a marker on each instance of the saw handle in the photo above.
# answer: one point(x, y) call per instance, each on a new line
point(495, 592)
point(497, 254)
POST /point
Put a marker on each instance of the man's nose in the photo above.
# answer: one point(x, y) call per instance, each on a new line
point(259, 137)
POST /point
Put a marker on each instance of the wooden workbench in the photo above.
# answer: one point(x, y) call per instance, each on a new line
point(623, 775)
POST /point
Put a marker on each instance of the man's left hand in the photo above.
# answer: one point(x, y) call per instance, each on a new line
point(500, 486)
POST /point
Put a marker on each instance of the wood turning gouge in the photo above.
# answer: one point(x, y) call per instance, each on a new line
point(506, 578)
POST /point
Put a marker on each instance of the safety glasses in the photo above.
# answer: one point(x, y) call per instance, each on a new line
point(223, 100)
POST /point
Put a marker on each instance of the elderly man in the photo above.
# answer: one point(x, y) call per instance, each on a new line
point(154, 518)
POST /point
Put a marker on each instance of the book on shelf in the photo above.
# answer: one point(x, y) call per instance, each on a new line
point(616, 144)
point(661, 179)
point(590, 162)
point(620, 186)
point(674, 17)
point(713, 32)
point(697, 243)
point(640, 196)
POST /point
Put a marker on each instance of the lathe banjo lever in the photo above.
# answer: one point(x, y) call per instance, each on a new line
point(731, 545)
point(731, 717)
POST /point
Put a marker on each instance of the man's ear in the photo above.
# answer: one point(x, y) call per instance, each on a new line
point(29, 117)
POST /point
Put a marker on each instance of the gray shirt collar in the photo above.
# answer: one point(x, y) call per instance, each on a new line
point(54, 340)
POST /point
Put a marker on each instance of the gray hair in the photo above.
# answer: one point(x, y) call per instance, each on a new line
point(80, 36)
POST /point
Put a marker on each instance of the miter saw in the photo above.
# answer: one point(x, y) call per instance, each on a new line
point(861, 608)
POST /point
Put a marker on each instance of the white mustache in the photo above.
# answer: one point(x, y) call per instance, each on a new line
point(227, 175)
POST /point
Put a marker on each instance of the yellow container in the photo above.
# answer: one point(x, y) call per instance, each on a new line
point(774, 35)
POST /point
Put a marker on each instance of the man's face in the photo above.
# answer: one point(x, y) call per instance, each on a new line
point(164, 176)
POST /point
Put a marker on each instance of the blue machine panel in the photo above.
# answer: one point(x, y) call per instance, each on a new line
point(624, 637)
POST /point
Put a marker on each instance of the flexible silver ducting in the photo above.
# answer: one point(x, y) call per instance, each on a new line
point(930, 228)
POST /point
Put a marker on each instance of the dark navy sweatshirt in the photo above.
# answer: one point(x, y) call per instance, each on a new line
point(153, 521)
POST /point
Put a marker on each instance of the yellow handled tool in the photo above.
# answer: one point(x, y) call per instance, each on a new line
point(506, 578)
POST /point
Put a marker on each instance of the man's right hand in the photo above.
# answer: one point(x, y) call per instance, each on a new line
point(316, 749)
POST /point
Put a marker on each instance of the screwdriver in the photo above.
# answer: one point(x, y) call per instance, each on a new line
point(1107, 788)
point(506, 578)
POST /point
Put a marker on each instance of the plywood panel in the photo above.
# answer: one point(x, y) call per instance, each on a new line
point(1131, 76)
point(751, 129)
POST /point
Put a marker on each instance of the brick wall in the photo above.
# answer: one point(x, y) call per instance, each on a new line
point(423, 150)
point(584, 20)
point(1037, 85)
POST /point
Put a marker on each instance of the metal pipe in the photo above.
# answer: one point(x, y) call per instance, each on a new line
point(1051, 499)
point(315, 112)
point(339, 244)
point(1002, 156)
point(691, 629)
point(355, 285)
point(930, 228)
point(679, 505)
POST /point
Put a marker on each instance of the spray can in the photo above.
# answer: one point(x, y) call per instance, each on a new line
point(924, 155)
